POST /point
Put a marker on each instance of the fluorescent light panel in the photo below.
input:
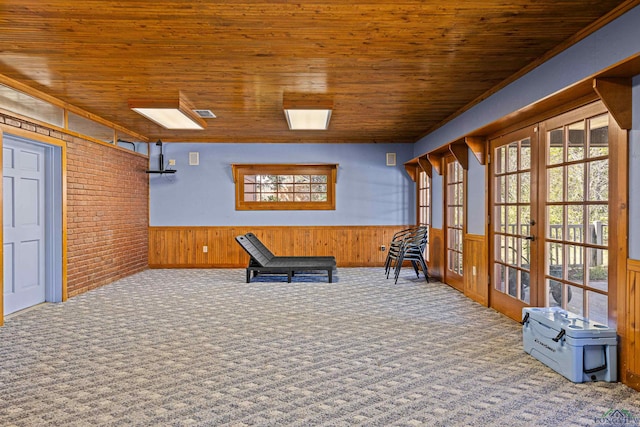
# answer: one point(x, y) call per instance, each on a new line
point(168, 118)
point(174, 113)
point(308, 119)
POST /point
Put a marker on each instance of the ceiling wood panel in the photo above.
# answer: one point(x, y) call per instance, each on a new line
point(393, 69)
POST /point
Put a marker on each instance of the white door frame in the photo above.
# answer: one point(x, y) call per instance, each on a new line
point(54, 218)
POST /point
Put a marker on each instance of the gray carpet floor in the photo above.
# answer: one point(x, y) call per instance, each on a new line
point(204, 348)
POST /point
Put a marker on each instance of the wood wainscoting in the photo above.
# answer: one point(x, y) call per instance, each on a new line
point(474, 263)
point(183, 247)
point(436, 253)
point(631, 330)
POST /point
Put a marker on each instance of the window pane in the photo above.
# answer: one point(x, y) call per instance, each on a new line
point(319, 178)
point(500, 159)
point(599, 180)
point(512, 157)
point(501, 189)
point(575, 224)
point(525, 154)
point(576, 143)
point(499, 248)
point(598, 308)
point(575, 300)
point(575, 181)
point(318, 197)
point(524, 192)
point(319, 188)
point(555, 184)
point(302, 188)
point(555, 219)
point(302, 178)
point(554, 293)
point(525, 219)
point(598, 274)
point(556, 147)
point(499, 278)
point(524, 287)
point(599, 136)
point(302, 197)
point(268, 197)
point(512, 219)
point(285, 197)
point(575, 263)
point(598, 224)
point(513, 281)
point(554, 260)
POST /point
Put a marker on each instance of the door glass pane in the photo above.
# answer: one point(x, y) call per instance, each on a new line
point(598, 273)
point(556, 147)
point(525, 219)
point(555, 187)
point(554, 293)
point(599, 180)
point(512, 188)
point(524, 192)
point(555, 219)
point(599, 136)
point(525, 154)
point(576, 143)
point(575, 182)
point(575, 223)
point(575, 263)
point(575, 299)
point(598, 224)
point(598, 310)
point(512, 157)
point(524, 284)
point(500, 284)
point(513, 281)
point(554, 259)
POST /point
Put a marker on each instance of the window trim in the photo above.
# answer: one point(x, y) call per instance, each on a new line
point(328, 169)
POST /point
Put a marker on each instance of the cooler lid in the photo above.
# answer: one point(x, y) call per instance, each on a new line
point(574, 325)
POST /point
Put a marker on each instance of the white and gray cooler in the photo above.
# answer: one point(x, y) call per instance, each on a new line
point(575, 347)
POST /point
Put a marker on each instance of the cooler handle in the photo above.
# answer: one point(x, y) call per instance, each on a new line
point(599, 368)
point(526, 317)
point(560, 335)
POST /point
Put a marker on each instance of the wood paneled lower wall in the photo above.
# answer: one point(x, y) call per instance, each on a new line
point(475, 263)
point(182, 247)
point(631, 334)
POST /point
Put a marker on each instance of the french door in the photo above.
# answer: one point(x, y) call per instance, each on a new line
point(550, 216)
point(454, 199)
point(513, 223)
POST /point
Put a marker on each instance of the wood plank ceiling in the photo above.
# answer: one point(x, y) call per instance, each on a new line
point(393, 69)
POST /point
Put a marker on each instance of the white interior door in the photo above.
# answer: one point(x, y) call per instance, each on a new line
point(24, 224)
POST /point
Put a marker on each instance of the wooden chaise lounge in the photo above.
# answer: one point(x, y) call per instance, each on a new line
point(263, 261)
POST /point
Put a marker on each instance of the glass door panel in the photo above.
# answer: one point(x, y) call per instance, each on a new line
point(513, 227)
point(455, 198)
point(577, 215)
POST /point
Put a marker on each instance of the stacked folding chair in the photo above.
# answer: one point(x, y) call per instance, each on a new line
point(408, 245)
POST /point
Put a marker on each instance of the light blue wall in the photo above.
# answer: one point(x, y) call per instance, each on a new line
point(611, 44)
point(634, 175)
point(476, 197)
point(367, 193)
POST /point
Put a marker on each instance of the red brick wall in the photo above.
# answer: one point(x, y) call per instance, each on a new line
point(107, 211)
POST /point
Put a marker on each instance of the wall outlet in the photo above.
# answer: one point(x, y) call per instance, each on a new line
point(383, 248)
point(205, 249)
point(473, 270)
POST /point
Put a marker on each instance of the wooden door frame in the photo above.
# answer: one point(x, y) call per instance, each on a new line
point(455, 281)
point(500, 301)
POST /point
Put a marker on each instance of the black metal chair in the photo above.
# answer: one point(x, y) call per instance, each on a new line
point(394, 248)
point(412, 249)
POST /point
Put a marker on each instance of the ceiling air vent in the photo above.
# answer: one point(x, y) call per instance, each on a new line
point(205, 114)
